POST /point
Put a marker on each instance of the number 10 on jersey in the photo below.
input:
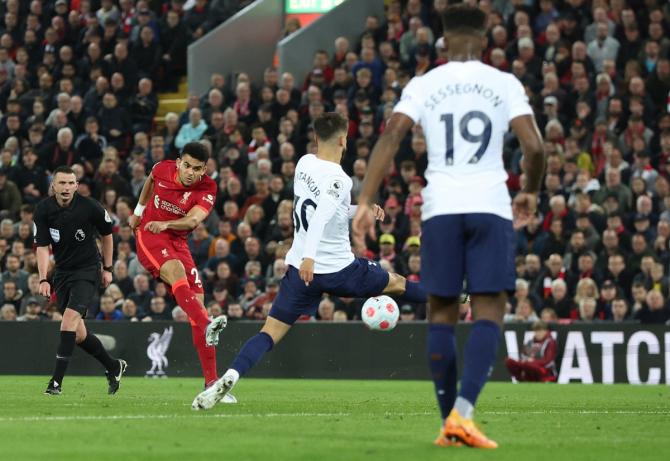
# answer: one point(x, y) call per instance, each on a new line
point(302, 217)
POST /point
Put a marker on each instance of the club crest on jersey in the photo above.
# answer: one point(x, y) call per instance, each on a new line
point(79, 235)
point(185, 198)
point(55, 234)
point(157, 201)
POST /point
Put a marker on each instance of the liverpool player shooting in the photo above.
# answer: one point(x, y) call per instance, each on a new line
point(176, 197)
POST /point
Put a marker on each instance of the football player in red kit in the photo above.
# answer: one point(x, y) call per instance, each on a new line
point(176, 197)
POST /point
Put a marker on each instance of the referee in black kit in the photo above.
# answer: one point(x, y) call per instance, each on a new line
point(70, 223)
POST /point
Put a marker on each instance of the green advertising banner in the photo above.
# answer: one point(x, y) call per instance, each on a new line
point(310, 6)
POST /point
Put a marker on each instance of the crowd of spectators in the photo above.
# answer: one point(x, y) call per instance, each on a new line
point(78, 83)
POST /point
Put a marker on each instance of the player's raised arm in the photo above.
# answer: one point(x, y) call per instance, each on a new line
point(525, 202)
point(397, 128)
point(146, 192)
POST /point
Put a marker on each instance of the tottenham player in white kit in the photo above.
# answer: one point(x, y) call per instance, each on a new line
point(465, 108)
point(320, 259)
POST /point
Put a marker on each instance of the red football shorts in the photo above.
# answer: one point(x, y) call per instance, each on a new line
point(154, 250)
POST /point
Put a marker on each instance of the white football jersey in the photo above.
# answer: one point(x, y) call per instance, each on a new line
point(321, 183)
point(465, 109)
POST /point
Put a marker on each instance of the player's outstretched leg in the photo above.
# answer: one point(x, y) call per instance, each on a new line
point(68, 335)
point(478, 357)
point(173, 273)
point(188, 300)
point(406, 291)
point(250, 354)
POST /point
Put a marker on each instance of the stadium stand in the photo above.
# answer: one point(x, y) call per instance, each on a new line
point(79, 84)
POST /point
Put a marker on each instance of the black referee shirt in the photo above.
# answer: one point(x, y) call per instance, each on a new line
point(71, 231)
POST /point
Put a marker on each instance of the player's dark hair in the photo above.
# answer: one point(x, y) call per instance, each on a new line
point(196, 150)
point(327, 125)
point(464, 19)
point(64, 169)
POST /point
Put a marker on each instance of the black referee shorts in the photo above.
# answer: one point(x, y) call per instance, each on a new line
point(76, 289)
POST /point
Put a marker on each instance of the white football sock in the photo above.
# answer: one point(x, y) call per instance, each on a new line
point(232, 375)
point(464, 407)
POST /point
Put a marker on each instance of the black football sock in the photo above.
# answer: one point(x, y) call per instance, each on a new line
point(94, 347)
point(63, 354)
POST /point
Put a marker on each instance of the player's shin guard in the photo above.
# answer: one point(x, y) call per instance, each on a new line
point(252, 352)
point(413, 293)
point(92, 345)
point(206, 354)
point(189, 302)
point(442, 363)
point(63, 354)
point(478, 357)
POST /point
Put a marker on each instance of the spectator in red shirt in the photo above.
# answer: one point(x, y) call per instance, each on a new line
point(537, 357)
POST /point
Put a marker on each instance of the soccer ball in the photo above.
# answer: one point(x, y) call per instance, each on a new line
point(380, 313)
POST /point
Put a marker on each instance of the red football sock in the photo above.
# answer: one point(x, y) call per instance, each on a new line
point(206, 354)
point(190, 303)
point(197, 314)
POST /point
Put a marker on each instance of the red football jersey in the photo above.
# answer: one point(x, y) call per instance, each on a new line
point(171, 200)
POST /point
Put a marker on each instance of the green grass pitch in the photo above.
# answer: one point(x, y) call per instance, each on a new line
point(320, 420)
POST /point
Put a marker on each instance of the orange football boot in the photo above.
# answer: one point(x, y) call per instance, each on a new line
point(457, 428)
point(442, 441)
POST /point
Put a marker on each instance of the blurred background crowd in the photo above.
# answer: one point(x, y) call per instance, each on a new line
point(79, 84)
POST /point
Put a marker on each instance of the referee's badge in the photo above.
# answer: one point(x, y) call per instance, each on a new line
point(55, 234)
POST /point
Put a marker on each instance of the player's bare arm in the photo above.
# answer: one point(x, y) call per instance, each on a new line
point(525, 202)
point(146, 192)
point(382, 155)
point(42, 254)
point(189, 222)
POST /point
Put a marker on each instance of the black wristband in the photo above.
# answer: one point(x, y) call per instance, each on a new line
point(109, 269)
point(44, 281)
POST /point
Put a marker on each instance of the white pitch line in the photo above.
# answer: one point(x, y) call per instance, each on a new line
point(192, 415)
point(316, 415)
point(575, 412)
